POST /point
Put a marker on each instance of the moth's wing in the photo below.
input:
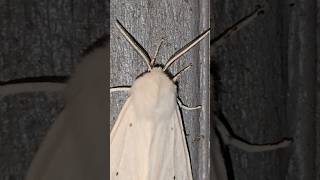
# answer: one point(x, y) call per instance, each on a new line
point(119, 139)
point(154, 150)
point(182, 164)
point(219, 167)
point(75, 146)
point(123, 119)
point(168, 153)
point(129, 146)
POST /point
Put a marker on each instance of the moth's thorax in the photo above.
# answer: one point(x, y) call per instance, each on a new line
point(154, 95)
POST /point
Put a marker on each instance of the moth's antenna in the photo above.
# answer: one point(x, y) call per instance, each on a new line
point(186, 48)
point(135, 44)
point(156, 53)
point(174, 79)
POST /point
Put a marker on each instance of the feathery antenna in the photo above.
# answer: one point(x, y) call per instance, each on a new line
point(186, 48)
point(135, 44)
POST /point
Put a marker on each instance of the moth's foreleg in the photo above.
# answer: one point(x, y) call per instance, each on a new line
point(187, 107)
point(153, 60)
point(175, 78)
point(119, 88)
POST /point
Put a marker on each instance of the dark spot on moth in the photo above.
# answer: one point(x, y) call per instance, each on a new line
point(174, 177)
point(130, 125)
point(117, 173)
point(171, 128)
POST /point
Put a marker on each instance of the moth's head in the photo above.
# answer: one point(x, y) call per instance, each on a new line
point(151, 62)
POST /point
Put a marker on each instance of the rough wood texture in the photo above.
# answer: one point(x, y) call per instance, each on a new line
point(45, 38)
point(24, 121)
point(179, 22)
point(39, 38)
point(266, 85)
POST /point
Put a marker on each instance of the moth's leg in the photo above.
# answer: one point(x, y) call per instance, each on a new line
point(187, 107)
point(153, 60)
point(175, 78)
point(119, 88)
point(228, 139)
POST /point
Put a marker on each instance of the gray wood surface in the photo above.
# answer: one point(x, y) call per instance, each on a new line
point(178, 22)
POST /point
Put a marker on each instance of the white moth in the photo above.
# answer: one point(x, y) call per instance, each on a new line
point(147, 141)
